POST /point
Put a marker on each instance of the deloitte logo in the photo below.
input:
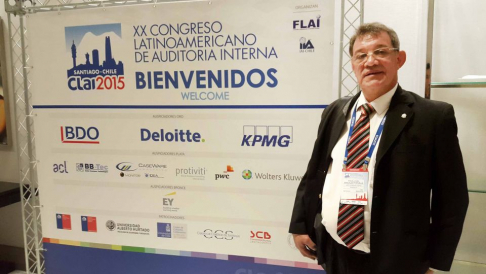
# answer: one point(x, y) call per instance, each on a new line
point(177, 135)
point(246, 174)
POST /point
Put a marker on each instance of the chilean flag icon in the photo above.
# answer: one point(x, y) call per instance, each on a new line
point(88, 223)
point(63, 221)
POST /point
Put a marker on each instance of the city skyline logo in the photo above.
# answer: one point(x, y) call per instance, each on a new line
point(94, 73)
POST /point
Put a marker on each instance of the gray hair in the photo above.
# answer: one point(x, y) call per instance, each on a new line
point(373, 29)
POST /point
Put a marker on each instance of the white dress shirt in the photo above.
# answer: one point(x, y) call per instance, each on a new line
point(333, 183)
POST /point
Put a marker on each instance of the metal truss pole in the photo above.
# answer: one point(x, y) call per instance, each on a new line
point(351, 17)
point(25, 140)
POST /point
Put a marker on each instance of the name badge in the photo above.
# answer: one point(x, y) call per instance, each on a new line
point(355, 187)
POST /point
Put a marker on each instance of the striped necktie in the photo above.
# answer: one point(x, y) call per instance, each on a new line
point(351, 217)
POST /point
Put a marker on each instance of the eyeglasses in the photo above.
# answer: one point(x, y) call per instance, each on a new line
point(380, 54)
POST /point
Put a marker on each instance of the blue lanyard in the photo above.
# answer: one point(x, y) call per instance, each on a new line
point(373, 145)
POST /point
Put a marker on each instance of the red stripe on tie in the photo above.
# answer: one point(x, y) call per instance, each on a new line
point(352, 229)
point(345, 208)
point(357, 133)
point(349, 218)
point(356, 241)
point(358, 146)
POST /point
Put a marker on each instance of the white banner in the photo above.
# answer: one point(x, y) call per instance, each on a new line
point(179, 134)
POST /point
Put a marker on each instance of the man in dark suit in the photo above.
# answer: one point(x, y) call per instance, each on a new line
point(396, 148)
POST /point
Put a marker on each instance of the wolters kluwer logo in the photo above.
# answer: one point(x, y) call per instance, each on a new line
point(246, 174)
point(95, 68)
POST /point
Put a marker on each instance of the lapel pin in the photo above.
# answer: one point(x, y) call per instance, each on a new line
point(404, 116)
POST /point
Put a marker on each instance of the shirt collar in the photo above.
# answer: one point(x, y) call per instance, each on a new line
point(380, 104)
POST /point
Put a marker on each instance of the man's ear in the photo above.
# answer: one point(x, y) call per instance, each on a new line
point(402, 57)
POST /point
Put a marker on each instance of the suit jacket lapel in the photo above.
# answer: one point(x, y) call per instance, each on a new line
point(337, 128)
point(398, 115)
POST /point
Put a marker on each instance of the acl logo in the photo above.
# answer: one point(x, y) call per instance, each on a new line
point(79, 135)
point(266, 136)
point(260, 235)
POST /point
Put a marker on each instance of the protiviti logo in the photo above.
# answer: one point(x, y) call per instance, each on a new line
point(79, 135)
point(267, 136)
point(178, 135)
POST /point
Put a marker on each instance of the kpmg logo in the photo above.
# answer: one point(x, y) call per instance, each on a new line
point(306, 46)
point(92, 73)
point(89, 167)
point(79, 135)
point(307, 24)
point(267, 136)
point(178, 135)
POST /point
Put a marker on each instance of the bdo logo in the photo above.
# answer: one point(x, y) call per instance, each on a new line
point(246, 174)
point(79, 135)
point(267, 136)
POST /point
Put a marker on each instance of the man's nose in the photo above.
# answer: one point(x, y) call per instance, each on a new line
point(370, 60)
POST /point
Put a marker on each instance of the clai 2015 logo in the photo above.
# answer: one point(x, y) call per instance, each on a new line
point(93, 72)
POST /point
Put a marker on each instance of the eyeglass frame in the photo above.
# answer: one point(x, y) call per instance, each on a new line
point(374, 55)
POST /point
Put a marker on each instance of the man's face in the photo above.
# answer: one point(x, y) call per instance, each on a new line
point(376, 76)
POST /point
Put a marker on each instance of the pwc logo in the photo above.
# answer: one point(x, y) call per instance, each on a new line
point(267, 136)
point(225, 175)
point(79, 135)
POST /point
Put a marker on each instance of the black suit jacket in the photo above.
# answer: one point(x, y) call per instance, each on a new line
point(418, 155)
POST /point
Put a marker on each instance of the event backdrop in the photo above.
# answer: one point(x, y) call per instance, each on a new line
point(173, 132)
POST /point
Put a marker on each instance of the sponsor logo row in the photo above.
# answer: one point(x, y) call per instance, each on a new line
point(164, 230)
point(161, 171)
point(253, 136)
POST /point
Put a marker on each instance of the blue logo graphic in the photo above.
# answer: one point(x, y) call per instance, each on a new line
point(267, 136)
point(306, 45)
point(164, 230)
point(94, 73)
